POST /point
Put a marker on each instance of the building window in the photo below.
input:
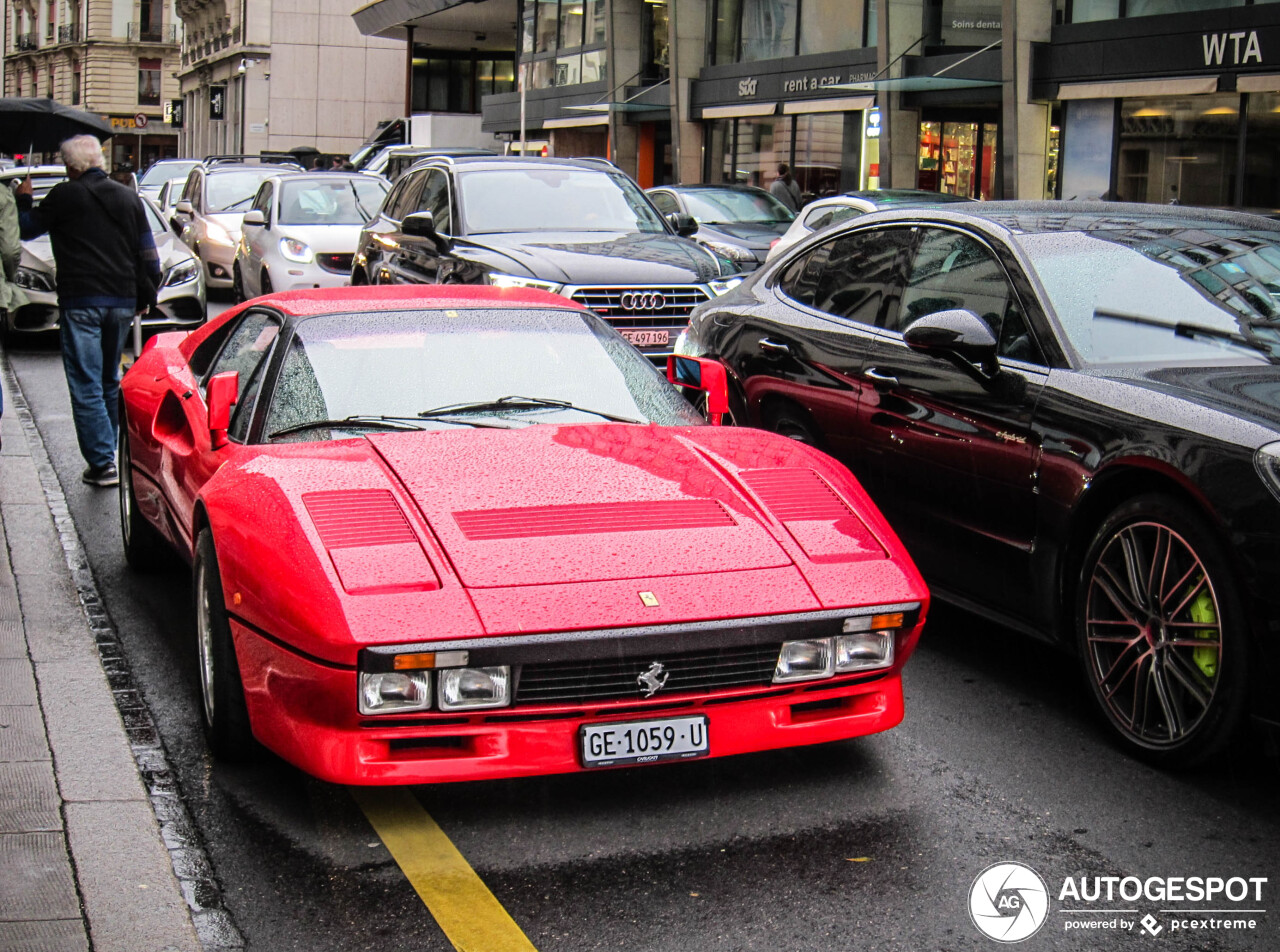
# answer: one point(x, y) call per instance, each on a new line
point(75, 84)
point(747, 31)
point(48, 83)
point(1089, 11)
point(50, 26)
point(553, 34)
point(454, 81)
point(1179, 151)
point(149, 82)
point(822, 150)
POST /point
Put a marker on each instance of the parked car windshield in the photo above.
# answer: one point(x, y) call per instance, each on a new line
point(340, 200)
point(1163, 295)
point(227, 191)
point(403, 363)
point(553, 199)
point(717, 206)
point(161, 172)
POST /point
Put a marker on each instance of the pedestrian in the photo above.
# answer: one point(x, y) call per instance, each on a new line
point(108, 270)
point(785, 189)
point(12, 297)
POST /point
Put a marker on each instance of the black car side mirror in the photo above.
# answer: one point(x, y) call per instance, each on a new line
point(423, 225)
point(683, 224)
point(955, 333)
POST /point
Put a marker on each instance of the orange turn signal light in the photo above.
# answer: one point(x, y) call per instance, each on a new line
point(881, 622)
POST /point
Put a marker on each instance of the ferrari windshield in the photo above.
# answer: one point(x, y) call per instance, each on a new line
point(460, 369)
point(553, 199)
point(1163, 295)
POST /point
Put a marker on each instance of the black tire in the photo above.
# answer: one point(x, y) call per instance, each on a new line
point(1161, 631)
point(266, 283)
point(790, 422)
point(359, 279)
point(222, 706)
point(237, 285)
point(145, 549)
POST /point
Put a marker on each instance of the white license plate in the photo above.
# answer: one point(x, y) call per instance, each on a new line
point(647, 338)
point(644, 742)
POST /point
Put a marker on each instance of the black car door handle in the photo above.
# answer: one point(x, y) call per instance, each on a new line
point(882, 382)
point(773, 347)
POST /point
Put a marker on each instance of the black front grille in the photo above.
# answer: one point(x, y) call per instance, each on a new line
point(618, 678)
point(338, 264)
point(616, 303)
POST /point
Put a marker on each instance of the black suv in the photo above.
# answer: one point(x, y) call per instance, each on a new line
point(576, 227)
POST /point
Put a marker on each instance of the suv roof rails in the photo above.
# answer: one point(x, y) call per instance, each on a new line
point(263, 158)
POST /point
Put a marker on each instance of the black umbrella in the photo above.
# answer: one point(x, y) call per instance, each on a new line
point(41, 125)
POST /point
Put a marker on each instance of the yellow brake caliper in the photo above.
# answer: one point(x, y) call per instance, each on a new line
point(1204, 613)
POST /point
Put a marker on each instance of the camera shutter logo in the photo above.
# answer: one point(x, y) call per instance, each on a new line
point(1008, 902)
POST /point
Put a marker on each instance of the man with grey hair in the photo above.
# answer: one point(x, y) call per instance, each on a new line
point(108, 269)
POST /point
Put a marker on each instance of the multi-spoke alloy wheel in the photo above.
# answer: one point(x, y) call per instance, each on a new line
point(226, 718)
point(1157, 621)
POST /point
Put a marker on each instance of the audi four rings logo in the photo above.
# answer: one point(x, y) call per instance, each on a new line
point(643, 301)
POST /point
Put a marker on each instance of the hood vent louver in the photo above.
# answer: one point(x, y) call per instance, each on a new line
point(358, 517)
point(796, 495)
point(491, 524)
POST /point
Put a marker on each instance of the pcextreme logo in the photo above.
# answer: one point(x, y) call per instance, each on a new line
point(1010, 902)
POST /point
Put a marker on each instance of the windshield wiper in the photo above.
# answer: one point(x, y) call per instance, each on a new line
point(247, 198)
point(1192, 331)
point(508, 403)
point(351, 422)
point(364, 212)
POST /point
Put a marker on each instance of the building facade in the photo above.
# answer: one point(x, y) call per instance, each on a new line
point(1155, 100)
point(112, 57)
point(259, 75)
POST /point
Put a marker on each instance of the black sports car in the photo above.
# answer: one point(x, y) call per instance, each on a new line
point(1071, 414)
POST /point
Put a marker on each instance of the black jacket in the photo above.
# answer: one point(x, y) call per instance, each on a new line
point(100, 237)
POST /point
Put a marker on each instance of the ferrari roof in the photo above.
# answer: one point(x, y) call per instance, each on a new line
point(402, 297)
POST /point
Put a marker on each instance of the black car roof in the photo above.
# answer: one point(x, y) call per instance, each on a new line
point(1029, 218)
point(516, 162)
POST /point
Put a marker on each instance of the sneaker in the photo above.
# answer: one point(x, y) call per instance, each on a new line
point(106, 476)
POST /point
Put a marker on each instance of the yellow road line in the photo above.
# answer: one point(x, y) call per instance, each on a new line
point(461, 903)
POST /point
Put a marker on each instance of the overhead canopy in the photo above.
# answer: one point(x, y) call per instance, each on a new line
point(915, 84)
point(465, 24)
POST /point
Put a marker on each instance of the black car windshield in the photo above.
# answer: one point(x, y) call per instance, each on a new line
point(713, 206)
point(340, 200)
point(399, 364)
point(1163, 294)
point(226, 190)
point(161, 172)
point(494, 201)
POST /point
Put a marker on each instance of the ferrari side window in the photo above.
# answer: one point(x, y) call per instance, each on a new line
point(861, 278)
point(246, 352)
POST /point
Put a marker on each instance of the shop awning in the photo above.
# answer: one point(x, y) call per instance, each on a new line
point(847, 104)
point(1121, 89)
point(1259, 84)
point(573, 122)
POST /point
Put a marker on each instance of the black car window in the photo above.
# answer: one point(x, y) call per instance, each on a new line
point(860, 275)
point(665, 202)
point(407, 201)
point(435, 199)
point(799, 280)
point(246, 352)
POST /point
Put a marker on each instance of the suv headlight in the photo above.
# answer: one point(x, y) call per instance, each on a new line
point(725, 285)
point(181, 273)
point(732, 252)
point(515, 281)
point(295, 250)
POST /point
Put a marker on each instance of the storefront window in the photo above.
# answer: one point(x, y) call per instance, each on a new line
point(655, 61)
point(1180, 151)
point(822, 150)
point(1262, 146)
point(768, 29)
point(958, 158)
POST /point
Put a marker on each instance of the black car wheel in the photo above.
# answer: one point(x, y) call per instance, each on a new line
point(1160, 631)
point(237, 285)
point(144, 547)
point(225, 715)
point(791, 423)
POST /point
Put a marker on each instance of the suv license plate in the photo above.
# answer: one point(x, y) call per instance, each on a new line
point(647, 338)
point(644, 742)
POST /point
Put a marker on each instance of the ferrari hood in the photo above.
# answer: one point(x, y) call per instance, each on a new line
point(563, 505)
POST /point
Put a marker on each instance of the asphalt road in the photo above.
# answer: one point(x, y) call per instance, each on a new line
point(870, 844)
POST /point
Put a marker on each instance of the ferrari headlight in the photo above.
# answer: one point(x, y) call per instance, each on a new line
point(732, 252)
point(181, 273)
point(33, 280)
point(515, 281)
point(1267, 462)
point(725, 285)
point(463, 689)
point(804, 661)
point(296, 250)
point(384, 692)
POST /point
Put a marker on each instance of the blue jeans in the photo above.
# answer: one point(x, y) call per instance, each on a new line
point(92, 342)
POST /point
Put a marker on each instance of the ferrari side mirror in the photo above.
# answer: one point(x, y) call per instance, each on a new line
point(708, 376)
point(220, 395)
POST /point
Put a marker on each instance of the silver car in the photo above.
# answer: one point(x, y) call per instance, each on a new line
point(213, 201)
point(160, 172)
point(181, 299)
point(302, 231)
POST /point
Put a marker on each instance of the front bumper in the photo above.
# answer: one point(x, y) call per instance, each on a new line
point(217, 260)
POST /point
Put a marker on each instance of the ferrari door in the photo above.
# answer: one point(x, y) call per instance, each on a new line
point(187, 457)
point(953, 451)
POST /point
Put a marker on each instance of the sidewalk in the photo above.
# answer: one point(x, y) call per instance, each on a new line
point(83, 864)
